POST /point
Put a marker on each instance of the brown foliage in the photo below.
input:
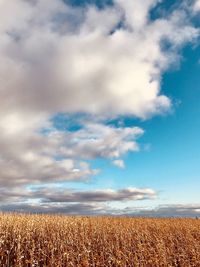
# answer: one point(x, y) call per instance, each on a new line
point(55, 241)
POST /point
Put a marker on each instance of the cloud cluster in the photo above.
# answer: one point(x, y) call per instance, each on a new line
point(33, 157)
point(93, 202)
point(57, 58)
point(58, 195)
point(102, 62)
point(59, 200)
point(99, 140)
point(91, 208)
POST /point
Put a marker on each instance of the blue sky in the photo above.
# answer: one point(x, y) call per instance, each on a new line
point(170, 156)
point(100, 107)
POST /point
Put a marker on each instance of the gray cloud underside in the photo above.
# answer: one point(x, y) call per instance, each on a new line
point(103, 209)
point(50, 195)
point(55, 58)
point(59, 156)
point(181, 210)
point(98, 202)
point(71, 209)
point(59, 200)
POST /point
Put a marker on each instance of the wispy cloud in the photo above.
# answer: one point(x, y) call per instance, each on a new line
point(97, 208)
point(178, 210)
point(119, 163)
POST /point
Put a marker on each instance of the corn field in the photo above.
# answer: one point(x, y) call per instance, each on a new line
point(56, 240)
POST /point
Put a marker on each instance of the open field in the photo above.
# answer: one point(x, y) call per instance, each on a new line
point(47, 240)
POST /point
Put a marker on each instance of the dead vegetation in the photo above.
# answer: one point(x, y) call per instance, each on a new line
point(48, 240)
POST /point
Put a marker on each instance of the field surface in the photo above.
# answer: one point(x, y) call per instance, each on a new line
point(47, 240)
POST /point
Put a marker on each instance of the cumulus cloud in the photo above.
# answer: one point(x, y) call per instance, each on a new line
point(98, 140)
point(35, 157)
point(102, 62)
point(196, 6)
point(53, 60)
point(136, 12)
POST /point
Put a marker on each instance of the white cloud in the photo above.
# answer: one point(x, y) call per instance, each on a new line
point(196, 6)
point(29, 156)
point(55, 58)
point(96, 140)
point(119, 163)
point(75, 65)
point(136, 12)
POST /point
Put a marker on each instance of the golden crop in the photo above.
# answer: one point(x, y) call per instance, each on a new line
point(55, 240)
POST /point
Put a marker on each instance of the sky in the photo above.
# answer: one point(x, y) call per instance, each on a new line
point(99, 107)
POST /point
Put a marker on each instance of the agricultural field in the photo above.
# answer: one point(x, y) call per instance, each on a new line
point(57, 240)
